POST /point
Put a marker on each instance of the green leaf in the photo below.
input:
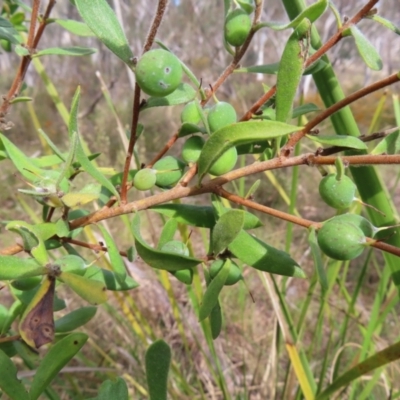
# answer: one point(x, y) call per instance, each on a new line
point(90, 290)
point(339, 140)
point(304, 109)
point(116, 260)
point(385, 22)
point(89, 193)
point(313, 12)
point(101, 19)
point(82, 158)
point(21, 99)
point(367, 51)
point(391, 143)
point(158, 360)
point(21, 51)
point(226, 229)
point(32, 242)
point(75, 27)
point(290, 71)
point(51, 144)
point(167, 233)
point(239, 134)
point(319, 266)
point(9, 383)
point(109, 279)
point(183, 94)
point(200, 216)
point(160, 259)
point(74, 319)
point(112, 390)
point(8, 32)
point(12, 267)
point(215, 318)
point(383, 357)
point(188, 129)
point(66, 51)
point(56, 358)
point(210, 298)
point(264, 257)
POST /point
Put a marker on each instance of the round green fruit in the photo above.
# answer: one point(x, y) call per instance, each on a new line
point(338, 194)
point(359, 221)
point(237, 27)
point(145, 179)
point(158, 72)
point(190, 114)
point(192, 148)
point(234, 276)
point(225, 163)
point(169, 171)
point(341, 240)
point(220, 115)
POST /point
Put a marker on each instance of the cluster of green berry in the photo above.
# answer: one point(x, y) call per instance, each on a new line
point(159, 73)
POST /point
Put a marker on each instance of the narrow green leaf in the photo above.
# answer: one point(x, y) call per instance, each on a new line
point(215, 318)
point(159, 259)
point(22, 99)
point(201, 216)
point(239, 134)
point(319, 266)
point(75, 27)
point(183, 94)
point(112, 390)
point(66, 51)
point(383, 357)
point(9, 383)
point(210, 298)
point(12, 267)
point(188, 129)
point(167, 233)
point(391, 143)
point(367, 51)
point(74, 319)
point(88, 194)
point(264, 257)
point(116, 260)
point(8, 32)
point(313, 12)
point(109, 279)
point(21, 51)
point(101, 19)
point(385, 22)
point(56, 358)
point(304, 109)
point(90, 290)
point(82, 158)
point(226, 230)
point(339, 140)
point(290, 71)
point(51, 144)
point(158, 360)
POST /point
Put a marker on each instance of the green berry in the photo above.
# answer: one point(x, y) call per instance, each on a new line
point(190, 114)
point(192, 148)
point(225, 163)
point(175, 246)
point(234, 276)
point(237, 27)
point(338, 194)
point(145, 179)
point(158, 72)
point(169, 171)
point(341, 240)
point(357, 220)
point(220, 115)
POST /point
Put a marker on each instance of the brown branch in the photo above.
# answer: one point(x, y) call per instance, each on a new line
point(164, 150)
point(32, 27)
point(341, 104)
point(26, 60)
point(158, 17)
point(332, 41)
